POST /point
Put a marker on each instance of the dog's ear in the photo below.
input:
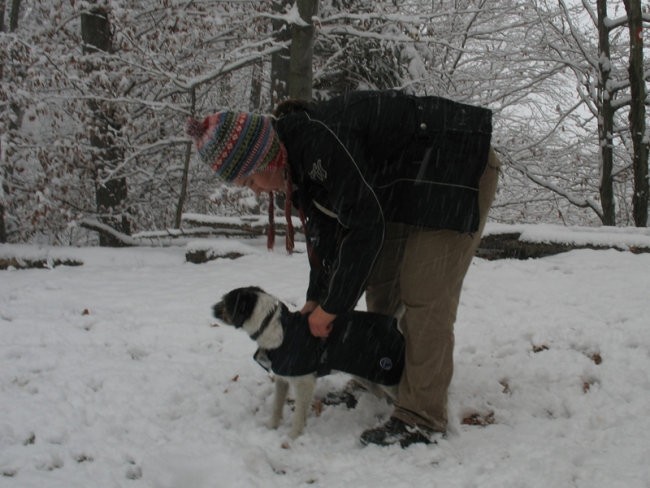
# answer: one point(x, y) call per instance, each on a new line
point(239, 304)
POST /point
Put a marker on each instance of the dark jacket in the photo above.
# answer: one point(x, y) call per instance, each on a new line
point(368, 158)
point(363, 344)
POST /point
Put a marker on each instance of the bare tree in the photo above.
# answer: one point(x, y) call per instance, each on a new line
point(637, 100)
point(606, 117)
point(13, 122)
point(637, 117)
point(13, 15)
point(302, 49)
point(110, 193)
point(585, 42)
point(280, 59)
point(3, 228)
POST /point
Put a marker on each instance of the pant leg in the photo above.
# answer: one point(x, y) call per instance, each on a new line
point(431, 276)
point(382, 289)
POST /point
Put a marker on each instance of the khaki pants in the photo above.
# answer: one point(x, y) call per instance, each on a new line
point(420, 272)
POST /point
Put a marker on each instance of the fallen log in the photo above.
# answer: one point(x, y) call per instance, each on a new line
point(38, 263)
point(500, 241)
point(245, 225)
point(529, 241)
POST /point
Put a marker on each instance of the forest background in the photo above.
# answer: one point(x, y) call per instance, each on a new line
point(94, 98)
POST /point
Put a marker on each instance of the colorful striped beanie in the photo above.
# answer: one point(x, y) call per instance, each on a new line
point(237, 144)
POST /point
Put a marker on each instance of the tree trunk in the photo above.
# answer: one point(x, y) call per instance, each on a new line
point(15, 121)
point(302, 50)
point(637, 114)
point(606, 118)
point(186, 169)
point(109, 195)
point(255, 99)
point(13, 15)
point(257, 71)
point(3, 229)
point(280, 59)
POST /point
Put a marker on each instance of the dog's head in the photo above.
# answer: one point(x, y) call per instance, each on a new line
point(238, 306)
point(255, 311)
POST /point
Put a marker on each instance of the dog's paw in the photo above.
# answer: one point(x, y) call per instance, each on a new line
point(295, 433)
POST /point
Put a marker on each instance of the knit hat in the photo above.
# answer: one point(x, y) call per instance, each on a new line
point(237, 144)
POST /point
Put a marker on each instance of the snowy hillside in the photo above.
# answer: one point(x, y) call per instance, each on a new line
point(114, 374)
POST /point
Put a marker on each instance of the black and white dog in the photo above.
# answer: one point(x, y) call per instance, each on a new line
point(366, 345)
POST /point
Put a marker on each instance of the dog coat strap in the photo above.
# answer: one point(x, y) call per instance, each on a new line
point(265, 324)
point(262, 358)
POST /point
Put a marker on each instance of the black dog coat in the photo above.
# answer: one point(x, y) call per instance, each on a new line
point(363, 344)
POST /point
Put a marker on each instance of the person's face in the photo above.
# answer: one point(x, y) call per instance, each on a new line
point(264, 181)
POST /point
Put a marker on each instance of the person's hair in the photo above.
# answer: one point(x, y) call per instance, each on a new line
point(292, 105)
point(284, 108)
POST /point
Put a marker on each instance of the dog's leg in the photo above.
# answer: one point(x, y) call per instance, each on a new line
point(380, 391)
point(281, 390)
point(304, 391)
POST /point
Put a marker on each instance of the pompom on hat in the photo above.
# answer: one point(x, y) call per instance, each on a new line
point(237, 144)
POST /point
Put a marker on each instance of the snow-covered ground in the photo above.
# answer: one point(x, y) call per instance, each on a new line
point(114, 374)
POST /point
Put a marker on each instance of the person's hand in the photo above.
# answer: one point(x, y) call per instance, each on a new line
point(320, 322)
point(308, 307)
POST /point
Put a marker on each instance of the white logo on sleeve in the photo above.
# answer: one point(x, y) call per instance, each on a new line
point(317, 172)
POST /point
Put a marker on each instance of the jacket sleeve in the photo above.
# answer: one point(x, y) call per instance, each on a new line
point(336, 166)
point(323, 236)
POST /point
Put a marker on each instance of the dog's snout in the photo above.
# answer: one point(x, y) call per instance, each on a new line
point(218, 309)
